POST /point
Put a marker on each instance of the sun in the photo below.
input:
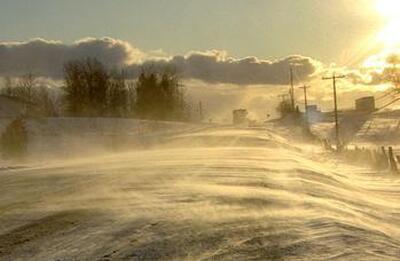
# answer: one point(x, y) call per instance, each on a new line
point(390, 11)
point(388, 8)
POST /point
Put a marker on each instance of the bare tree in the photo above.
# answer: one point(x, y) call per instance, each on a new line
point(25, 88)
point(117, 94)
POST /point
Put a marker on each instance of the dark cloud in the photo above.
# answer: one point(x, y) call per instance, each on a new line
point(217, 67)
point(46, 58)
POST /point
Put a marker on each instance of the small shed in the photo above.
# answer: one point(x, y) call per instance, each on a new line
point(366, 104)
point(312, 108)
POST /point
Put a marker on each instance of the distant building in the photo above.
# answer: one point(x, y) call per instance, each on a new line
point(11, 107)
point(366, 104)
point(240, 116)
point(312, 108)
point(314, 114)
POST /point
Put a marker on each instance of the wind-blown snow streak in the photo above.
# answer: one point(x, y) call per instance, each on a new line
point(215, 194)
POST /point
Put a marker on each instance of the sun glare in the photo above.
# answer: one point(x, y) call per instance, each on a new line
point(390, 11)
point(388, 8)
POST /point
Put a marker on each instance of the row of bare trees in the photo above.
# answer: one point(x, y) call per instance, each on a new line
point(91, 90)
point(41, 99)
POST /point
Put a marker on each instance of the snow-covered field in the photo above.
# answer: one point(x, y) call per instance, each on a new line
point(212, 194)
point(71, 137)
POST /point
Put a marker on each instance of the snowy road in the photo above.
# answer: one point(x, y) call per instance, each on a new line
point(218, 194)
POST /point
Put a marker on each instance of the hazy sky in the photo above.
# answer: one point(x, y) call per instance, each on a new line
point(328, 30)
point(218, 45)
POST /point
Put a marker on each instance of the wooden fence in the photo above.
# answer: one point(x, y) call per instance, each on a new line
point(382, 158)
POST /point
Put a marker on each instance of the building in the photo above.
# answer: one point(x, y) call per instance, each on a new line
point(240, 116)
point(365, 104)
point(312, 109)
point(314, 115)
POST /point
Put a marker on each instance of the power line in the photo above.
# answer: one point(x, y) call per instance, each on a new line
point(385, 100)
point(388, 104)
point(385, 94)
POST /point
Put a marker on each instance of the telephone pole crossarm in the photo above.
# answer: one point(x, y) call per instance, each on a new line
point(334, 77)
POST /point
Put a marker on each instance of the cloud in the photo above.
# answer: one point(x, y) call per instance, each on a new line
point(378, 69)
point(217, 67)
point(46, 58)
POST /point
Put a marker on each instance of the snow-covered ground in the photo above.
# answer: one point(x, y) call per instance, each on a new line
point(212, 194)
point(77, 137)
point(371, 130)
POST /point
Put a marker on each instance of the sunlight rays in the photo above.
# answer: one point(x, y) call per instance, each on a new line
point(389, 10)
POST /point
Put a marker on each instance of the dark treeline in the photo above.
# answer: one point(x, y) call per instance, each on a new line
point(91, 90)
point(160, 97)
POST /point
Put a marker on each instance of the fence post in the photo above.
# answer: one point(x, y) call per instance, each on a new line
point(384, 151)
point(393, 164)
point(385, 160)
point(398, 159)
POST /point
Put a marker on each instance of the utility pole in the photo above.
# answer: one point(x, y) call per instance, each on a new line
point(201, 111)
point(334, 78)
point(291, 89)
point(305, 87)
